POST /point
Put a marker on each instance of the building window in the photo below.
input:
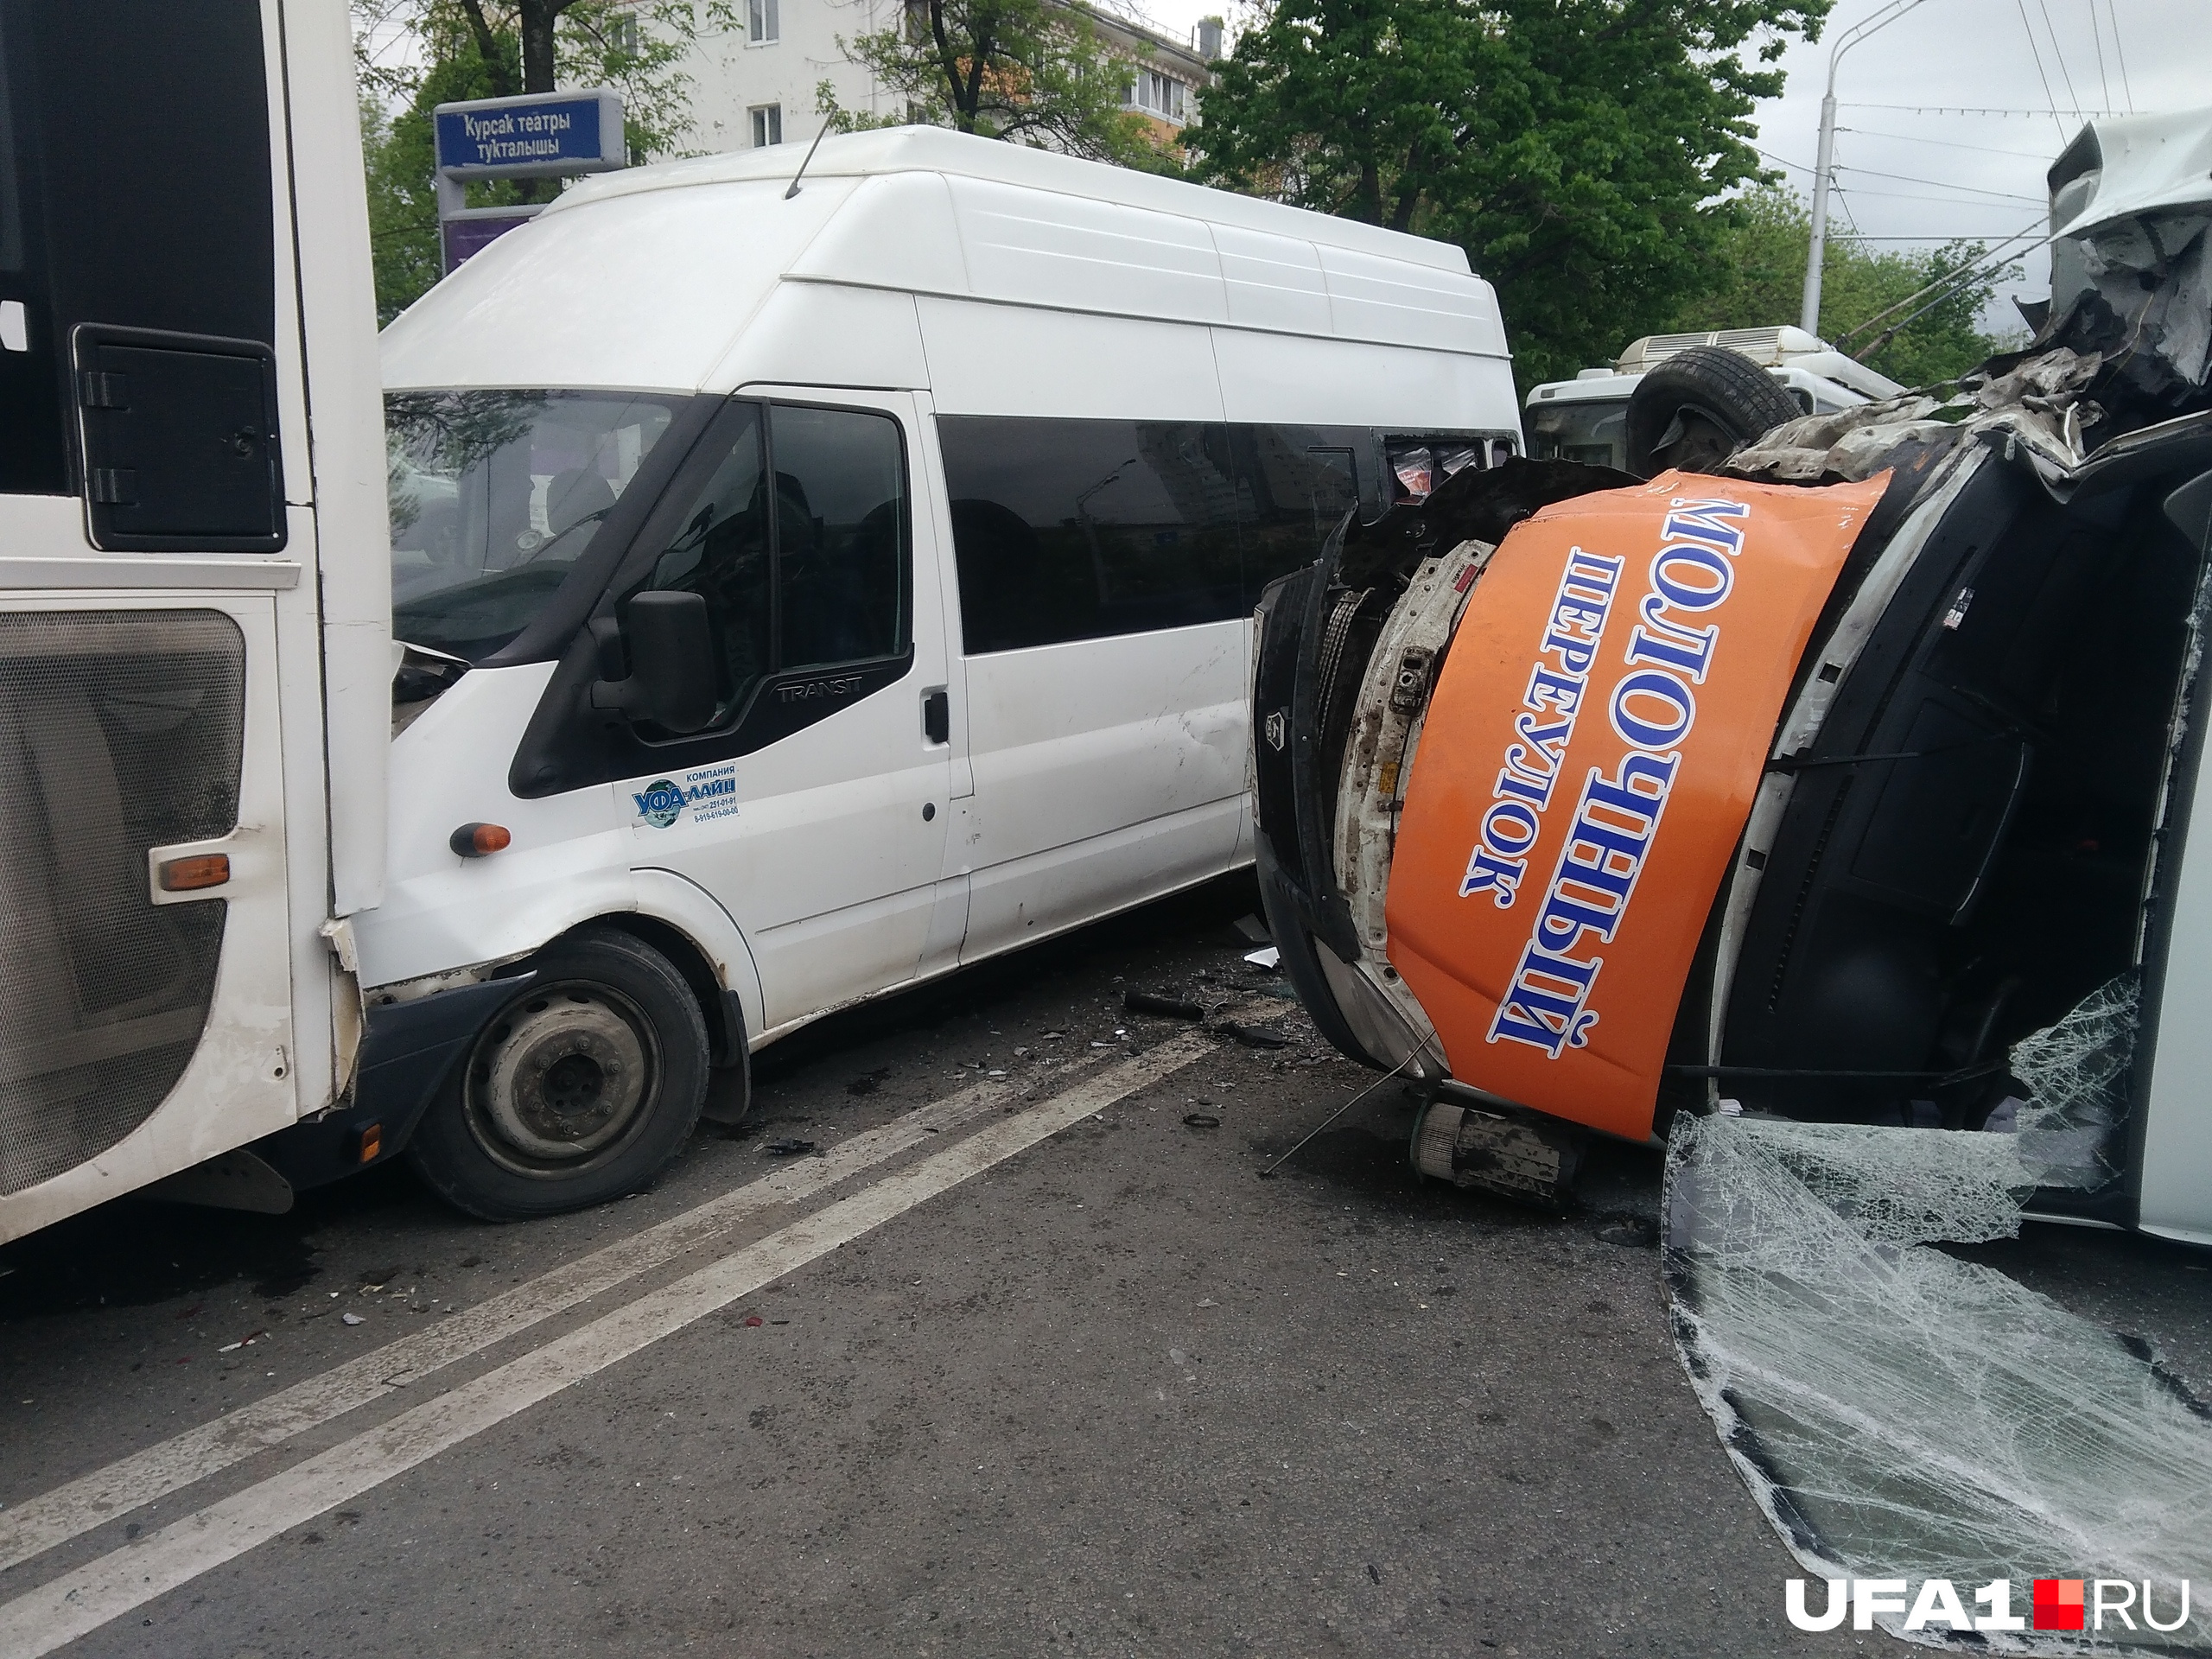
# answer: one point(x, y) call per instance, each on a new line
point(1158, 94)
point(767, 125)
point(760, 21)
point(622, 32)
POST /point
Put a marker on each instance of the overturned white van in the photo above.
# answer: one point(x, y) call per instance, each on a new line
point(808, 586)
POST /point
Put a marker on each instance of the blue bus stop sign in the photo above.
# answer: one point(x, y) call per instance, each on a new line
point(539, 136)
point(542, 134)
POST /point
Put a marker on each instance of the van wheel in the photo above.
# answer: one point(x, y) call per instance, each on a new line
point(580, 1090)
point(1697, 406)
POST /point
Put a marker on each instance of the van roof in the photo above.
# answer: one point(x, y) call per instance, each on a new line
point(959, 154)
point(652, 277)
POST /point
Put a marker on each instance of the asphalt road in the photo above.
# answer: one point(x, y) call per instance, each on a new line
point(1030, 1364)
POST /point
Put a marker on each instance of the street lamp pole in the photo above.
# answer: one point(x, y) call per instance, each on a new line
point(1824, 162)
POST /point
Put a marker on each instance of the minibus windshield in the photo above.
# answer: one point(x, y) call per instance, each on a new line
point(494, 497)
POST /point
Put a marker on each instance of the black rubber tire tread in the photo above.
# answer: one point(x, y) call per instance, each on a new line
point(1726, 387)
point(446, 1154)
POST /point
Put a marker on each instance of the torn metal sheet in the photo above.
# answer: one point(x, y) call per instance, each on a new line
point(1901, 1414)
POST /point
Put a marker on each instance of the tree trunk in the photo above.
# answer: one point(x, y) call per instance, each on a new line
point(487, 48)
point(1368, 197)
point(1401, 216)
point(965, 91)
point(535, 22)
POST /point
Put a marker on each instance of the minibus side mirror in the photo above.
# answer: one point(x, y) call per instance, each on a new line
point(671, 651)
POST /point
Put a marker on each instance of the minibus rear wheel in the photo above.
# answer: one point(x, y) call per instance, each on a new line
point(581, 1088)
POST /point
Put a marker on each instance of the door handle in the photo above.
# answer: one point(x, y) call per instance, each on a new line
point(936, 715)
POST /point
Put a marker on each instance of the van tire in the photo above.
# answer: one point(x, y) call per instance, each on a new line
point(582, 1088)
point(1698, 406)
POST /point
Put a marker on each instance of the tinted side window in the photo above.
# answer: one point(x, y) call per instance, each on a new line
point(840, 535)
point(723, 553)
point(1076, 530)
point(1295, 484)
point(809, 570)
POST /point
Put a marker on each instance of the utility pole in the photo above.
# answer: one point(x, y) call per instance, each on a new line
point(1824, 162)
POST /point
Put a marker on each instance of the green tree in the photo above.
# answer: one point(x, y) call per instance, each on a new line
point(1035, 71)
point(1756, 276)
point(1571, 146)
point(416, 55)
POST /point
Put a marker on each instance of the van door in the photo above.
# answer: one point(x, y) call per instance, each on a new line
point(818, 821)
point(1103, 656)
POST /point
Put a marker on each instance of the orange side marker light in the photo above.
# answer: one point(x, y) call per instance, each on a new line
point(190, 874)
point(480, 840)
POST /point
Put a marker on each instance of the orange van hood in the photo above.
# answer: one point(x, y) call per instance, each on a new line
point(1586, 766)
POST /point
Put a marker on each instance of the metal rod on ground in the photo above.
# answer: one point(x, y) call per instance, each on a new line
point(1339, 1113)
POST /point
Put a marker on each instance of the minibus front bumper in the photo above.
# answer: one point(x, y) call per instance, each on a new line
point(407, 1050)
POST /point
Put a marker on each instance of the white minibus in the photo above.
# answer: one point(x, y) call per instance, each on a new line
point(810, 582)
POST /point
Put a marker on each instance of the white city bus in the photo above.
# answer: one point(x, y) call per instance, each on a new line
point(195, 596)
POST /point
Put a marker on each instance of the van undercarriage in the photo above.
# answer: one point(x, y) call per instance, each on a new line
point(1964, 827)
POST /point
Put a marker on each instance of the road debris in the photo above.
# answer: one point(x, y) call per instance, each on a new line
point(787, 1148)
point(1250, 1036)
point(1168, 1008)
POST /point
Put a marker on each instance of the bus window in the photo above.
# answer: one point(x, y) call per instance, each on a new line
point(135, 194)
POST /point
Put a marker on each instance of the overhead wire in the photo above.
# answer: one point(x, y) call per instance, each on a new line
point(1902, 178)
point(1965, 109)
point(1940, 184)
point(2003, 250)
point(1911, 196)
point(2096, 34)
point(2120, 52)
point(2036, 51)
point(1946, 144)
point(2058, 51)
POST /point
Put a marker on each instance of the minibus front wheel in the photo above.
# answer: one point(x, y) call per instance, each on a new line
point(580, 1088)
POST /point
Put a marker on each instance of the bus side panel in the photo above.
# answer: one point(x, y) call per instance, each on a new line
point(145, 1030)
point(346, 416)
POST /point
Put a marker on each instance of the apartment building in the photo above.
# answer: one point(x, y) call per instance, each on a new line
point(755, 86)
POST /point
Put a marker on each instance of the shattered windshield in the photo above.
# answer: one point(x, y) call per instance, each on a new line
point(494, 497)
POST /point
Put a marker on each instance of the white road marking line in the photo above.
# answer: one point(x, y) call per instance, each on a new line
point(65, 1608)
point(38, 1524)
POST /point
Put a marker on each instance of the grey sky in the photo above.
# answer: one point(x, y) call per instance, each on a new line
point(1922, 173)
